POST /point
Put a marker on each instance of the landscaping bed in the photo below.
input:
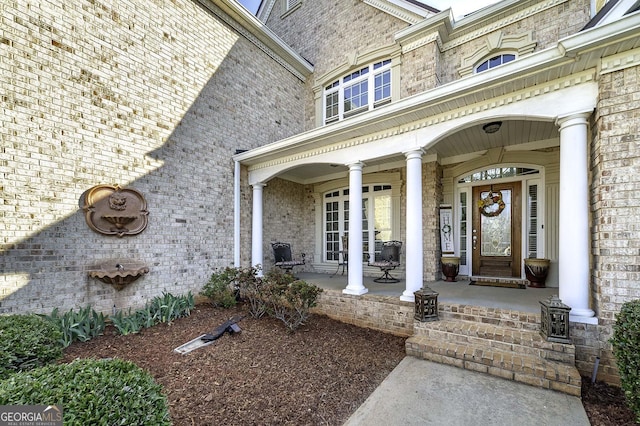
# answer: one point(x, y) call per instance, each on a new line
point(266, 375)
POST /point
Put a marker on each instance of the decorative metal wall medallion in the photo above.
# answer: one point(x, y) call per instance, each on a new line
point(112, 210)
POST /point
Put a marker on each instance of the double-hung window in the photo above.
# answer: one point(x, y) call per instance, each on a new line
point(358, 91)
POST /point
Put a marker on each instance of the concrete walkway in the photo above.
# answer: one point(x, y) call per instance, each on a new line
point(419, 392)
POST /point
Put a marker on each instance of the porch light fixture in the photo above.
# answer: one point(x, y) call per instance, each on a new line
point(492, 127)
point(555, 320)
point(426, 304)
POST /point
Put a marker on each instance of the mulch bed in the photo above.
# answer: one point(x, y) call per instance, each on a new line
point(265, 375)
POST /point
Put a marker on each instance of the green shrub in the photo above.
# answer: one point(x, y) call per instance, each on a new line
point(289, 300)
point(222, 288)
point(79, 326)
point(626, 348)
point(91, 392)
point(27, 341)
point(250, 291)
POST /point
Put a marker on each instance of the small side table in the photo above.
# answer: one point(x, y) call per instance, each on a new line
point(344, 263)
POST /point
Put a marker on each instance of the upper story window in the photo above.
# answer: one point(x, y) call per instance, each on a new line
point(290, 6)
point(358, 91)
point(495, 61)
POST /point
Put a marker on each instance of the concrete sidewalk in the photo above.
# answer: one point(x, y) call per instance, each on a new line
point(419, 392)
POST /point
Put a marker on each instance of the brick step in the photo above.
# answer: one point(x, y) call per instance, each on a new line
point(524, 368)
point(496, 316)
point(519, 341)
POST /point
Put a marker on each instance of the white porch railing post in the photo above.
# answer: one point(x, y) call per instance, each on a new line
point(413, 247)
point(256, 227)
point(573, 256)
point(355, 285)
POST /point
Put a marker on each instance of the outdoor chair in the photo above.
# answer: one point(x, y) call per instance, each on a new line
point(283, 258)
point(345, 256)
point(388, 261)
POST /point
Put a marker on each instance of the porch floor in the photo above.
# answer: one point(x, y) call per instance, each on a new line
point(459, 292)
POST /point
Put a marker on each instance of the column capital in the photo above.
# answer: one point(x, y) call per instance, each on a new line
point(357, 165)
point(573, 119)
point(414, 153)
point(259, 185)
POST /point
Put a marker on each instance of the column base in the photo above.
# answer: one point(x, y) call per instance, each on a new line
point(355, 291)
point(584, 316)
point(408, 298)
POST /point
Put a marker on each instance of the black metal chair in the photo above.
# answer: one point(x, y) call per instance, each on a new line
point(388, 261)
point(283, 257)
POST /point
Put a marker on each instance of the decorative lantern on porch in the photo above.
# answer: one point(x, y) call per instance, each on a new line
point(426, 304)
point(555, 320)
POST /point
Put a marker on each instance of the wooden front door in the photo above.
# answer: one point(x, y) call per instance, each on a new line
point(496, 233)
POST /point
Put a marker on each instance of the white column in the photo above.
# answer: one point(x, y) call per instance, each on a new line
point(236, 215)
point(256, 227)
point(413, 245)
point(355, 285)
point(573, 261)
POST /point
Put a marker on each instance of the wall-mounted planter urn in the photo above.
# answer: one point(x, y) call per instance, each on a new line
point(112, 210)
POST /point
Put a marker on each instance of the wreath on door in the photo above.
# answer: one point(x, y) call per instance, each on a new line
point(491, 205)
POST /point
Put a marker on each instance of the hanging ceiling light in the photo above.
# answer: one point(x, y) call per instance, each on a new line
point(492, 127)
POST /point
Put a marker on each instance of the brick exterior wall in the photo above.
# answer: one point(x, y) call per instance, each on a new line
point(289, 216)
point(326, 33)
point(545, 28)
point(153, 96)
point(420, 70)
point(615, 159)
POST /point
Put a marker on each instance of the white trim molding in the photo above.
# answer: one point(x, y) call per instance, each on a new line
point(521, 44)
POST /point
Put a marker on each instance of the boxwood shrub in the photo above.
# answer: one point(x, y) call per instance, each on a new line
point(26, 342)
point(626, 348)
point(91, 392)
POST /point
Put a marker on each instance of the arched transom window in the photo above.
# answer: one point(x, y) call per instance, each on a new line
point(495, 61)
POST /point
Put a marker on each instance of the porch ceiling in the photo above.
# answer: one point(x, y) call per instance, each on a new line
point(462, 144)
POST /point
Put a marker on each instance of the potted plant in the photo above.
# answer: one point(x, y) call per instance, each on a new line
point(450, 267)
point(536, 271)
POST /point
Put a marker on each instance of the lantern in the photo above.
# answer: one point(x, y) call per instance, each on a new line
point(426, 301)
point(555, 320)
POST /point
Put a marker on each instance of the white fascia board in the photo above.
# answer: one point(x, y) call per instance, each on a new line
point(446, 20)
point(440, 22)
point(411, 7)
point(617, 11)
point(488, 12)
point(595, 38)
point(262, 33)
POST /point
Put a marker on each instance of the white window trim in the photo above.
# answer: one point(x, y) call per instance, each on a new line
point(488, 59)
point(341, 86)
point(393, 179)
point(355, 61)
point(495, 44)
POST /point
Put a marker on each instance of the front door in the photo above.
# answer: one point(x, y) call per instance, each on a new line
point(496, 233)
